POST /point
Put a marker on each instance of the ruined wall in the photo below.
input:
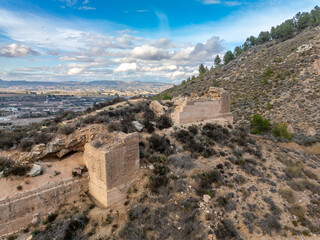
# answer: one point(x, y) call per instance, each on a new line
point(112, 167)
point(17, 212)
point(215, 105)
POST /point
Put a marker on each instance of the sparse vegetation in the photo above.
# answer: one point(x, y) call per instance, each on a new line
point(259, 125)
point(281, 131)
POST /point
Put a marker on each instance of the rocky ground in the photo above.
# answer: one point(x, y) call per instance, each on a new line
point(196, 182)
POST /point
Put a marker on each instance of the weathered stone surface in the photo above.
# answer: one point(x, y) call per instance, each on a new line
point(137, 125)
point(206, 198)
point(63, 152)
point(36, 170)
point(215, 105)
point(112, 167)
point(36, 219)
point(18, 211)
point(157, 108)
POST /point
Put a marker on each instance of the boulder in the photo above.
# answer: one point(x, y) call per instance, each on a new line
point(137, 125)
point(206, 198)
point(1, 174)
point(157, 108)
point(36, 219)
point(36, 170)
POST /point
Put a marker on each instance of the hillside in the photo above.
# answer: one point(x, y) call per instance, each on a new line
point(196, 182)
point(290, 85)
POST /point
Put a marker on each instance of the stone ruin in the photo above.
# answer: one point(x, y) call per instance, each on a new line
point(214, 106)
point(112, 167)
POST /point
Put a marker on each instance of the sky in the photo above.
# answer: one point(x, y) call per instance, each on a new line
point(128, 40)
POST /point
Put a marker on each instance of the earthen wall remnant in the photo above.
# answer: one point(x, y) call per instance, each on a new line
point(214, 105)
point(112, 167)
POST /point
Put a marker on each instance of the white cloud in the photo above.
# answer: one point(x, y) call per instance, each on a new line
point(211, 1)
point(228, 3)
point(17, 50)
point(142, 11)
point(86, 8)
point(125, 67)
point(75, 71)
point(149, 53)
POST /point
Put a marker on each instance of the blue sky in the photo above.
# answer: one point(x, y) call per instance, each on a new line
point(150, 40)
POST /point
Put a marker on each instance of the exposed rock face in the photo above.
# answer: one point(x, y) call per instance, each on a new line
point(213, 106)
point(36, 170)
point(157, 108)
point(63, 144)
point(137, 125)
point(112, 167)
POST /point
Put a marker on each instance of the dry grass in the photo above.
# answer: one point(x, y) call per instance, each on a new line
point(288, 195)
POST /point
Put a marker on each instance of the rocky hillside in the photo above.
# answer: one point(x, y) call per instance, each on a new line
point(195, 182)
point(279, 80)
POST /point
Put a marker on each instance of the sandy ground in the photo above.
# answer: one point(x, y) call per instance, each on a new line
point(52, 171)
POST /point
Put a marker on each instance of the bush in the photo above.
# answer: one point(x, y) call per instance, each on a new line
point(205, 181)
point(193, 129)
point(65, 129)
point(17, 170)
point(288, 195)
point(158, 181)
point(259, 125)
point(163, 122)
point(215, 132)
point(297, 210)
point(270, 224)
point(5, 163)
point(226, 230)
point(281, 131)
point(159, 144)
point(42, 138)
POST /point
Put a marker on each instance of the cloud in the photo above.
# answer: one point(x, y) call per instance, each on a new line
point(125, 67)
point(227, 3)
point(204, 50)
point(211, 1)
point(17, 50)
point(69, 3)
point(75, 71)
point(86, 8)
point(149, 53)
point(142, 11)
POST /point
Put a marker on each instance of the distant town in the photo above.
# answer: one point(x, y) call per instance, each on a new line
point(22, 102)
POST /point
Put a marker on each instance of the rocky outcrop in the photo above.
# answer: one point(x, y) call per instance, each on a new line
point(157, 108)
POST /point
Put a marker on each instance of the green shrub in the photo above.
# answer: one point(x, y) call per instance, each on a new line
point(269, 106)
point(281, 131)
point(268, 72)
point(259, 124)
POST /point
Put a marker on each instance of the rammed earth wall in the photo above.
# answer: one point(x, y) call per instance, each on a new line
point(17, 212)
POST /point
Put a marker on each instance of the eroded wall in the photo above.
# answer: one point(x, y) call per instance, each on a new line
point(112, 167)
point(17, 212)
point(215, 105)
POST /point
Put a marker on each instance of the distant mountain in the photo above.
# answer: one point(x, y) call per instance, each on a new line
point(102, 85)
